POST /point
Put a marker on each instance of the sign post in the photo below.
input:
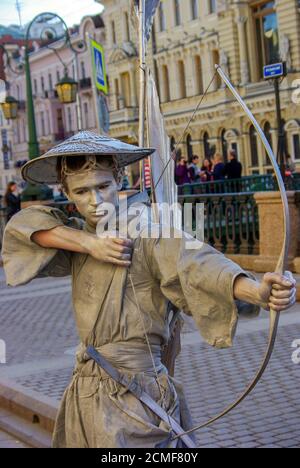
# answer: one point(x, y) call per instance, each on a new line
point(276, 72)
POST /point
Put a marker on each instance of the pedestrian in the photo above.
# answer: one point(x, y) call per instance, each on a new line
point(182, 175)
point(233, 168)
point(206, 173)
point(12, 200)
point(194, 170)
point(121, 394)
point(218, 167)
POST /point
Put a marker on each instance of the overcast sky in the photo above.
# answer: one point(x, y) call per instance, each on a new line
point(70, 10)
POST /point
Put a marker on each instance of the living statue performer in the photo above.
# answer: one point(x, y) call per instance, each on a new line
point(120, 289)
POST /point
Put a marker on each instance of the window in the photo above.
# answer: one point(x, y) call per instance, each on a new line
point(177, 12)
point(194, 8)
point(82, 66)
point(216, 60)
point(253, 146)
point(268, 135)
point(166, 84)
point(267, 37)
point(224, 145)
point(181, 77)
point(113, 33)
point(69, 119)
point(117, 94)
point(172, 143)
point(189, 148)
point(57, 75)
point(43, 129)
point(126, 27)
point(206, 145)
point(162, 17)
point(42, 84)
point(125, 83)
point(198, 75)
point(296, 146)
point(86, 114)
point(212, 6)
point(50, 81)
point(35, 88)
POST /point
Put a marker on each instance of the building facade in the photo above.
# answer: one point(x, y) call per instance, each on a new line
point(189, 38)
point(54, 121)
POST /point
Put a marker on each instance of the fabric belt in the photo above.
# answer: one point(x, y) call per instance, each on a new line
point(139, 393)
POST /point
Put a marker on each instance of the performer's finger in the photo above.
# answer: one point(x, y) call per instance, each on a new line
point(282, 293)
point(122, 263)
point(123, 242)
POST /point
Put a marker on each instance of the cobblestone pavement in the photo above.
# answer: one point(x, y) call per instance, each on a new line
point(7, 441)
point(37, 325)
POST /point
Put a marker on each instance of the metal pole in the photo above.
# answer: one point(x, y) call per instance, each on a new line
point(280, 130)
point(78, 97)
point(94, 89)
point(33, 145)
point(142, 56)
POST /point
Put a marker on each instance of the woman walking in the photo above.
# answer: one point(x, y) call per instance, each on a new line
point(12, 200)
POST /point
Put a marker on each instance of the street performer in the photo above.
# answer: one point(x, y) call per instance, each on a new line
point(121, 394)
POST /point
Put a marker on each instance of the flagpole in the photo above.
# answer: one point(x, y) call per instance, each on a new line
point(142, 63)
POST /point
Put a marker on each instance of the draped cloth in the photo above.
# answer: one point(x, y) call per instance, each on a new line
point(96, 411)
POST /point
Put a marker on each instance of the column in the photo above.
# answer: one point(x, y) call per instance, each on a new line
point(244, 66)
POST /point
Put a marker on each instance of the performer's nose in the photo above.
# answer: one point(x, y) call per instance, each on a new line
point(96, 198)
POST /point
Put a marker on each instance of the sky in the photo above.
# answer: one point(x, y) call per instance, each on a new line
point(70, 10)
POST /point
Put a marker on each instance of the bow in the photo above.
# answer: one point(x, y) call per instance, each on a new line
point(280, 268)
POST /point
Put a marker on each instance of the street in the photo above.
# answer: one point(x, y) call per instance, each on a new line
point(38, 329)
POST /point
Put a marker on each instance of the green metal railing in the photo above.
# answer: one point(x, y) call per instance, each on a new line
point(254, 183)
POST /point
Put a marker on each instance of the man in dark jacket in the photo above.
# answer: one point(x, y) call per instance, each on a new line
point(233, 168)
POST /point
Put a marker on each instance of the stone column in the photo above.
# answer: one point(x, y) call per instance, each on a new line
point(244, 66)
point(189, 74)
point(161, 83)
point(271, 230)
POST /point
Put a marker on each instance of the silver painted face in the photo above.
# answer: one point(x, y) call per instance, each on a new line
point(89, 191)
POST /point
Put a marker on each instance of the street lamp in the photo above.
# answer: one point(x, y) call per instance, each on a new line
point(67, 89)
point(10, 108)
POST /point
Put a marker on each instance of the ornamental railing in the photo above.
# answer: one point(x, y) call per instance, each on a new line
point(231, 222)
point(254, 183)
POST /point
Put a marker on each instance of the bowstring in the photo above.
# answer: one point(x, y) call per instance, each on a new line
point(162, 392)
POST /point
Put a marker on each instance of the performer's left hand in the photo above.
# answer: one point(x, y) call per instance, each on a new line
point(278, 292)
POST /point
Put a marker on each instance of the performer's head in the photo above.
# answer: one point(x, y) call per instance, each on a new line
point(89, 181)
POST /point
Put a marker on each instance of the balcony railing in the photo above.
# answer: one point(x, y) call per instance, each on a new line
point(255, 183)
point(231, 222)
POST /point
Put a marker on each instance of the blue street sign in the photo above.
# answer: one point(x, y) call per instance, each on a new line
point(275, 70)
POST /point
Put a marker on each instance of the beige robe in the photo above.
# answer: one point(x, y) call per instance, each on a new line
point(113, 317)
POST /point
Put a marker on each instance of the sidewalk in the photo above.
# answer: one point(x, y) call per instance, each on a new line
point(38, 327)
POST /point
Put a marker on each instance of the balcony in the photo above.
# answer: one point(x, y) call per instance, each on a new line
point(121, 116)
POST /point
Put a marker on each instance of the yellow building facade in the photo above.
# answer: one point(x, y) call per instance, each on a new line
point(189, 38)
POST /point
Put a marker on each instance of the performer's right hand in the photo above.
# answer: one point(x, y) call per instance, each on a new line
point(111, 250)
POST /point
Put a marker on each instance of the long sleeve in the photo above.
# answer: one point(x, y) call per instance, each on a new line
point(200, 282)
point(23, 259)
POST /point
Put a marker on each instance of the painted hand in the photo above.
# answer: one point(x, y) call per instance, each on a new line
point(112, 250)
point(277, 292)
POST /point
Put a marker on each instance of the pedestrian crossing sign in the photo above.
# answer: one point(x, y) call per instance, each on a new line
point(99, 69)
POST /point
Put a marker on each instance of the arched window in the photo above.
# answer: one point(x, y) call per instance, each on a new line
point(268, 135)
point(181, 77)
point(206, 145)
point(253, 146)
point(172, 143)
point(189, 148)
point(224, 145)
point(198, 75)
point(162, 17)
point(166, 84)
